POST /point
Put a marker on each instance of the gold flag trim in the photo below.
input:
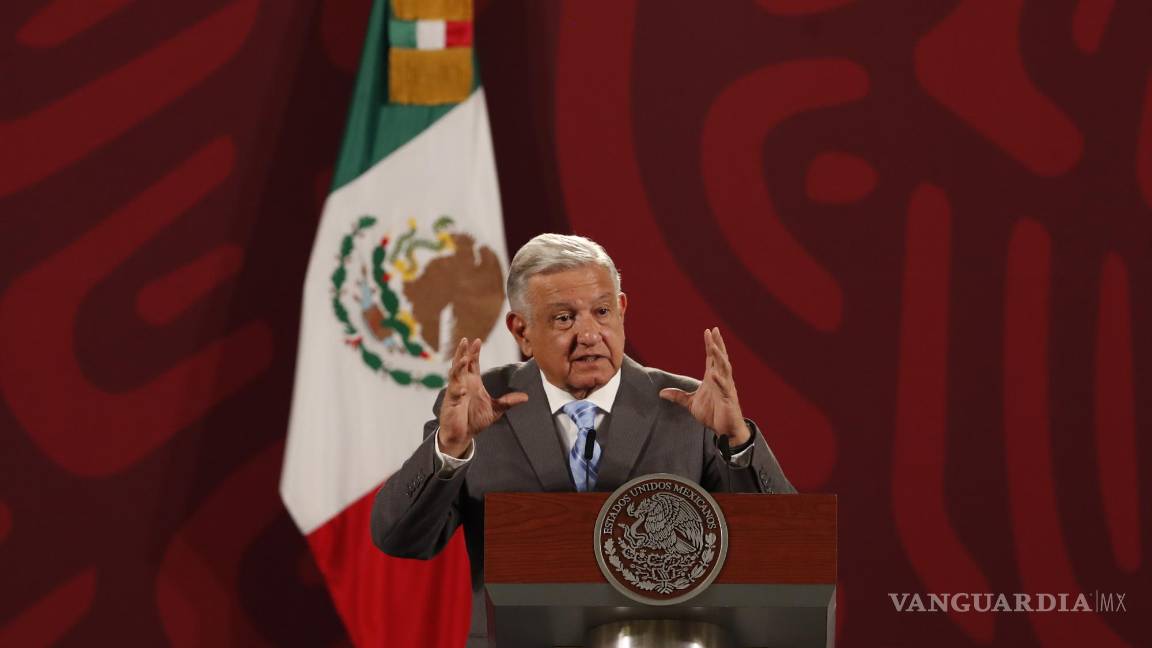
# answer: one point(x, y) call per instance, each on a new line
point(432, 9)
point(429, 77)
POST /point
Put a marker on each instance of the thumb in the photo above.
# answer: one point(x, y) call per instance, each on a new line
point(678, 396)
point(509, 400)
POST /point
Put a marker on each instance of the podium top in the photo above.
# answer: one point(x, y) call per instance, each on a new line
point(782, 539)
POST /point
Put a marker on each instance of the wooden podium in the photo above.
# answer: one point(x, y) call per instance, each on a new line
point(776, 588)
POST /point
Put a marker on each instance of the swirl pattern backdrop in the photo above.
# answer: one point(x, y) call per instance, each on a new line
point(924, 226)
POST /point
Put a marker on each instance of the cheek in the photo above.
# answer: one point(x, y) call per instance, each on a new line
point(557, 350)
point(616, 337)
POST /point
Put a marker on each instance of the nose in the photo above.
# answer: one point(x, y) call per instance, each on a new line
point(588, 331)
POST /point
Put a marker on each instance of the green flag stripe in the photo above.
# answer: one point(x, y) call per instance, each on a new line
point(376, 128)
point(402, 33)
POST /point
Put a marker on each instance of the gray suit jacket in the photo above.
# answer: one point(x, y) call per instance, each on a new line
point(416, 513)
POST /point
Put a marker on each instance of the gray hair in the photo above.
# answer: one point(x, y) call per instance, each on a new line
point(548, 253)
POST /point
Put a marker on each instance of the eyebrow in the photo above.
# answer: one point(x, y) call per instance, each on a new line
point(601, 297)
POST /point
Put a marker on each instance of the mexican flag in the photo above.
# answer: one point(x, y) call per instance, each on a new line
point(409, 257)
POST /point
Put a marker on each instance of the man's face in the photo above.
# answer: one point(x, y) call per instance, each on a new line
point(574, 328)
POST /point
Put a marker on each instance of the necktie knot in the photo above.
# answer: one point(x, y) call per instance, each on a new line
point(582, 413)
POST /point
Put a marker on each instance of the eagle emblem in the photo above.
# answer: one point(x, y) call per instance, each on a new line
point(660, 539)
point(665, 522)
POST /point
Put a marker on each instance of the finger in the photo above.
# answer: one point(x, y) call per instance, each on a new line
point(455, 361)
point(459, 360)
point(720, 355)
point(474, 356)
point(678, 396)
point(509, 400)
point(465, 359)
point(720, 340)
point(456, 371)
point(709, 360)
point(723, 352)
point(715, 355)
point(468, 359)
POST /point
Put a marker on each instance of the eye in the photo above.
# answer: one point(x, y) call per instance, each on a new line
point(603, 311)
point(563, 320)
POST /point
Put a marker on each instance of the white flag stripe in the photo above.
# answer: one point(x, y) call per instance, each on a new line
point(431, 34)
point(350, 427)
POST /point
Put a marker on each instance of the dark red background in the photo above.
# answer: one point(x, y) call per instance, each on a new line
point(924, 226)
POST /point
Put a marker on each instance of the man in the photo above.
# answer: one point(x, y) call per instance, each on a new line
point(526, 427)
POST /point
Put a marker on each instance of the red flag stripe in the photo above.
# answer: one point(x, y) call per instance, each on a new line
point(458, 33)
point(393, 602)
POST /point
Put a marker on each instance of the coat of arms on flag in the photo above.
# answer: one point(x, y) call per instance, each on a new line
point(403, 299)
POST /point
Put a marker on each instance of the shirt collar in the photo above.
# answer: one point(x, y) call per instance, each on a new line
point(602, 398)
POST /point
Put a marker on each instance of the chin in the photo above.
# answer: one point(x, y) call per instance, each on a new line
point(586, 379)
point(594, 381)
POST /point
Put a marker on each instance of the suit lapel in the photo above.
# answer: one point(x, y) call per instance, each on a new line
point(534, 428)
point(633, 417)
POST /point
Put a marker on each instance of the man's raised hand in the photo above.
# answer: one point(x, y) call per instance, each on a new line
point(715, 403)
point(468, 408)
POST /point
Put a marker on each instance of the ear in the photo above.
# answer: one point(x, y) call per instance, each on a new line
point(623, 304)
point(518, 327)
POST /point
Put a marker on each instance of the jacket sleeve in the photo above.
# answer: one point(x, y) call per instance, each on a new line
point(762, 475)
point(415, 512)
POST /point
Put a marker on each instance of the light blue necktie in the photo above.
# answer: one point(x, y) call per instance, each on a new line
point(583, 414)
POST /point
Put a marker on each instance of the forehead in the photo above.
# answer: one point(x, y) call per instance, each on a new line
point(582, 284)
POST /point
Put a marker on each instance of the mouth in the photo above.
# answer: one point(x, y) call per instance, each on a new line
point(587, 359)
